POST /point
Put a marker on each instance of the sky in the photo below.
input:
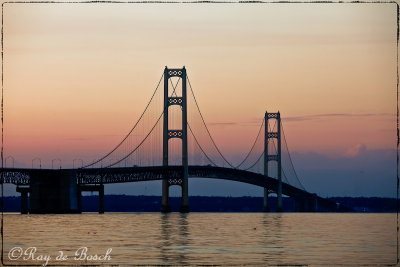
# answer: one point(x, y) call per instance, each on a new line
point(77, 76)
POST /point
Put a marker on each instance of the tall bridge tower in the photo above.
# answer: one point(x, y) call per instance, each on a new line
point(273, 157)
point(175, 133)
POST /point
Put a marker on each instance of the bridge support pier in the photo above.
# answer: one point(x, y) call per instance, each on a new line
point(310, 203)
point(79, 193)
point(24, 199)
point(95, 188)
point(315, 202)
point(307, 204)
point(165, 207)
point(54, 191)
point(299, 205)
point(101, 199)
point(266, 202)
point(185, 196)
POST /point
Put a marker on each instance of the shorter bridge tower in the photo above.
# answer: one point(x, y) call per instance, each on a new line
point(175, 133)
point(273, 157)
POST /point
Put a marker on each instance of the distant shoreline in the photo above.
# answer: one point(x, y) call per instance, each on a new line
point(127, 203)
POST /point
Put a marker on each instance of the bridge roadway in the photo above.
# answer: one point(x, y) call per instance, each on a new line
point(93, 176)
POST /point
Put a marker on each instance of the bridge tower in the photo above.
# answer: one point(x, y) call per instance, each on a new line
point(273, 157)
point(175, 133)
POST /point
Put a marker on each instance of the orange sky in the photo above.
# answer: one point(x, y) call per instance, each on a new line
point(77, 76)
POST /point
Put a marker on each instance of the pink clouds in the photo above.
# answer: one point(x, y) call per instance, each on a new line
point(354, 151)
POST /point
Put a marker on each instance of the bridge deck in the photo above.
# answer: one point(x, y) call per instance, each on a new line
point(20, 176)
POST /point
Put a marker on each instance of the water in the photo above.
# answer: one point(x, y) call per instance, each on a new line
point(205, 238)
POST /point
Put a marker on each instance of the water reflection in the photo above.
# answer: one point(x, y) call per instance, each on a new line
point(211, 238)
point(271, 236)
point(175, 238)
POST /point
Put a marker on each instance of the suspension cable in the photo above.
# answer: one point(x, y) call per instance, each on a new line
point(148, 134)
point(252, 147)
point(144, 139)
point(282, 169)
point(209, 134)
point(255, 163)
point(258, 159)
point(290, 158)
point(191, 131)
point(123, 140)
point(284, 176)
point(202, 150)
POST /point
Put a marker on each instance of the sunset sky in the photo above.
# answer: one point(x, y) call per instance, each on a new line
point(77, 76)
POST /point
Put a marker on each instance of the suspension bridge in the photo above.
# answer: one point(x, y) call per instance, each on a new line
point(171, 143)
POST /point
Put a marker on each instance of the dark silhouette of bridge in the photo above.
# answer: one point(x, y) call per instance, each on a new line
point(140, 156)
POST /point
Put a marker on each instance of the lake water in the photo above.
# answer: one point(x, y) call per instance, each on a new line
point(202, 238)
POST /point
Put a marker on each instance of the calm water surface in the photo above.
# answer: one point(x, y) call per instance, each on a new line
point(206, 238)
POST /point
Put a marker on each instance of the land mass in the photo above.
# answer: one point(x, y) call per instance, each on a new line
point(126, 203)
